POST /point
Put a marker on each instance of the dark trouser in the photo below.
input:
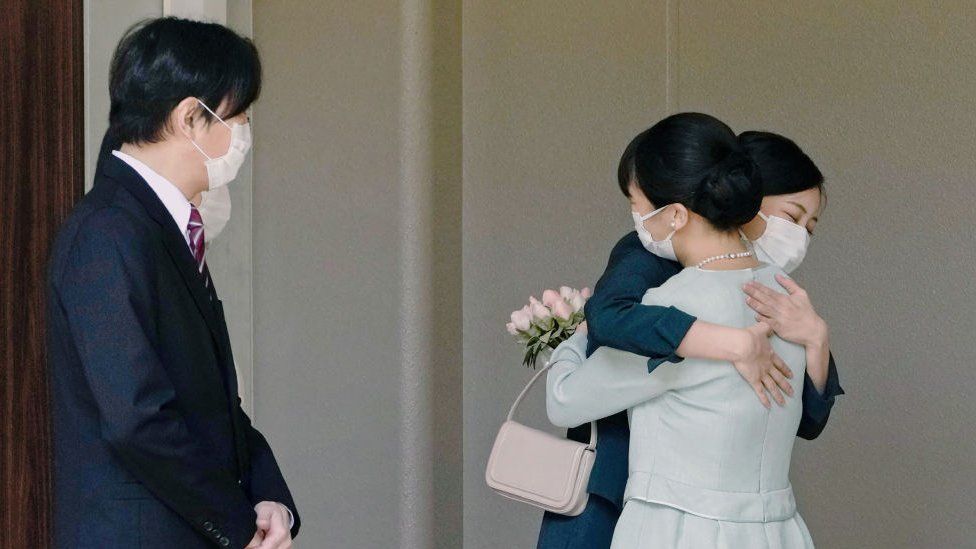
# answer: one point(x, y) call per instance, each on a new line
point(592, 529)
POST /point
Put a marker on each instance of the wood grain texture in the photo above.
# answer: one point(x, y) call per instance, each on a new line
point(41, 173)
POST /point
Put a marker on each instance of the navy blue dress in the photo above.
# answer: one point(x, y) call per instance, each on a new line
point(616, 318)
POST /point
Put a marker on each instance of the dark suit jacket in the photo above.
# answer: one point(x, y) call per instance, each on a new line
point(616, 318)
point(151, 446)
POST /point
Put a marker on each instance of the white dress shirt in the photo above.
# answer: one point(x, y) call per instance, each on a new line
point(169, 194)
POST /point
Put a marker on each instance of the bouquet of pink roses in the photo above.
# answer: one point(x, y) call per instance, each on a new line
point(542, 325)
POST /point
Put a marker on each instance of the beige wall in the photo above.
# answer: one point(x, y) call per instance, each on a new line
point(357, 266)
point(882, 95)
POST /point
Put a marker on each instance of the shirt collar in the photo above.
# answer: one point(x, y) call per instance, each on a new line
point(172, 197)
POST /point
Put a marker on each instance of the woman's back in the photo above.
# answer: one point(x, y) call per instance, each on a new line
point(708, 464)
point(707, 445)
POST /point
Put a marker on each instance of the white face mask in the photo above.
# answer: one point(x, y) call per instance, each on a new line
point(783, 243)
point(215, 211)
point(661, 248)
point(223, 169)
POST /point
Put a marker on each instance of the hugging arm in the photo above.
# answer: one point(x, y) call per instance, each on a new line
point(794, 319)
point(580, 389)
point(616, 318)
point(817, 404)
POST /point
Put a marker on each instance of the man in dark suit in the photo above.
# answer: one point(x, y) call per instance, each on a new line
point(151, 446)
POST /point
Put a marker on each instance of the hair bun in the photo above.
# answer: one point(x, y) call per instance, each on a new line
point(730, 194)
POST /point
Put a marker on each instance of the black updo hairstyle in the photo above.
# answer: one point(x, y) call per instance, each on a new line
point(784, 167)
point(694, 159)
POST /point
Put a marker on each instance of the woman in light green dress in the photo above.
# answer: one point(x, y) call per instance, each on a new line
point(709, 465)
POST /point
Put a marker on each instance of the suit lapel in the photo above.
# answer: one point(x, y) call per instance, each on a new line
point(173, 240)
point(205, 298)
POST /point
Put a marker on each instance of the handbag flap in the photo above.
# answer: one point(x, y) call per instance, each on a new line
point(530, 461)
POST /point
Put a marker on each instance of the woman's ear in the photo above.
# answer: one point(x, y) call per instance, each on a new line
point(680, 216)
point(184, 118)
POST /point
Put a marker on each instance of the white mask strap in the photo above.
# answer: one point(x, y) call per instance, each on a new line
point(213, 113)
point(199, 149)
point(652, 214)
point(643, 218)
point(204, 105)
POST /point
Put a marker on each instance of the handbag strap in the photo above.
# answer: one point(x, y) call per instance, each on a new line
point(525, 390)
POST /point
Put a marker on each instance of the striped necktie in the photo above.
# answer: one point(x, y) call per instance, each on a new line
point(198, 247)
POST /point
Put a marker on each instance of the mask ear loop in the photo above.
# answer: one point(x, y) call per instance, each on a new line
point(194, 143)
point(204, 105)
point(214, 114)
point(674, 229)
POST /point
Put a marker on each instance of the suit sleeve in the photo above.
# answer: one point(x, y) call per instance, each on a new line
point(580, 389)
point(817, 405)
point(107, 296)
point(266, 482)
point(615, 316)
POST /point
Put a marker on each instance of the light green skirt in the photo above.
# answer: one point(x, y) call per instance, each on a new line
point(645, 525)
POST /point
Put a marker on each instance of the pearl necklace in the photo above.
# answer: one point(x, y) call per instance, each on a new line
point(736, 255)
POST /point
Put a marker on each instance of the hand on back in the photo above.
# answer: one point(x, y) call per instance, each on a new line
point(761, 367)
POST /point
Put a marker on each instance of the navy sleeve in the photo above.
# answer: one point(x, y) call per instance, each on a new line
point(107, 297)
point(266, 481)
point(817, 405)
point(615, 316)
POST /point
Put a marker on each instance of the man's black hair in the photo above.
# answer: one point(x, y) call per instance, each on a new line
point(160, 62)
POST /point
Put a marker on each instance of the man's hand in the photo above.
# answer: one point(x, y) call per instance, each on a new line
point(790, 315)
point(255, 542)
point(762, 368)
point(272, 523)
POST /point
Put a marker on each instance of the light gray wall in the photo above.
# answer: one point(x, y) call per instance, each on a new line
point(357, 266)
point(229, 254)
point(105, 23)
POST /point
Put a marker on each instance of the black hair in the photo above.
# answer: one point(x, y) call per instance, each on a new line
point(784, 167)
point(694, 159)
point(160, 62)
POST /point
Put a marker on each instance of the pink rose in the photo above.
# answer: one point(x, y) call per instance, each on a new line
point(511, 328)
point(586, 293)
point(562, 310)
point(550, 298)
point(577, 302)
point(521, 320)
point(566, 292)
point(540, 311)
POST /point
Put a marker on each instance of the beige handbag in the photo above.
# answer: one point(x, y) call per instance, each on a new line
point(539, 468)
